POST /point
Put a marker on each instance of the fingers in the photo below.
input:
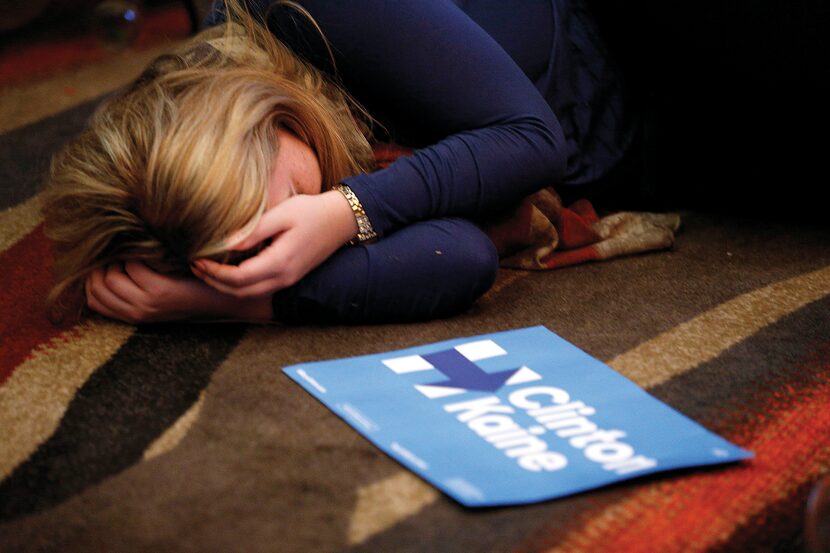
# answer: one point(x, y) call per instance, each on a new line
point(270, 224)
point(142, 276)
point(136, 293)
point(252, 270)
point(124, 292)
point(92, 300)
point(119, 282)
point(294, 225)
point(102, 296)
point(252, 290)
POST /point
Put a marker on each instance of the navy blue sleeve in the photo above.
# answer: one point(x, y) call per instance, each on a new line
point(430, 269)
point(490, 139)
point(426, 64)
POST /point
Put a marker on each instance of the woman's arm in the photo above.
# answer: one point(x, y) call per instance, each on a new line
point(134, 293)
point(427, 270)
point(425, 66)
point(430, 269)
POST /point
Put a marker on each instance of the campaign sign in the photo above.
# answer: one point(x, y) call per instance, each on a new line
point(508, 418)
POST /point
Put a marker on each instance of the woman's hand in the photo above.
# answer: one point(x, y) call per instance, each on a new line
point(134, 293)
point(306, 230)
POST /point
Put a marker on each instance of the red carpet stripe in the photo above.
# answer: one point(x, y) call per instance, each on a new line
point(37, 59)
point(25, 271)
point(778, 527)
point(714, 504)
point(791, 367)
point(701, 511)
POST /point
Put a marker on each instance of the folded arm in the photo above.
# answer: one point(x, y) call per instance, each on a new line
point(430, 269)
point(429, 71)
point(134, 293)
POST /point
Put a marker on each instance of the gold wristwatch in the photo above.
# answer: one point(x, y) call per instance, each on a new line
point(365, 232)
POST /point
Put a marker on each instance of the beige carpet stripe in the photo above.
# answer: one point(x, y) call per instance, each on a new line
point(505, 278)
point(18, 221)
point(29, 102)
point(177, 431)
point(383, 504)
point(672, 353)
point(34, 399)
point(703, 338)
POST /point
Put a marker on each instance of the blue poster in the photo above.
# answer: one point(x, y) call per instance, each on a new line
point(508, 418)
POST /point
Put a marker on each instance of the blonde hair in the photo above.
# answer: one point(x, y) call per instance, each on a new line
point(172, 166)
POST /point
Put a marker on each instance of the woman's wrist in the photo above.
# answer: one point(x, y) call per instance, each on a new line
point(342, 220)
point(365, 230)
point(216, 305)
point(255, 309)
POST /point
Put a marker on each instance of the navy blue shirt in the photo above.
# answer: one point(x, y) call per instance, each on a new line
point(499, 98)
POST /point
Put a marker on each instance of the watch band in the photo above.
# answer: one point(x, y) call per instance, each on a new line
point(365, 231)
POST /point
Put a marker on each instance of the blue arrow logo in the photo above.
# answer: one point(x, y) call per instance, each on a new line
point(463, 373)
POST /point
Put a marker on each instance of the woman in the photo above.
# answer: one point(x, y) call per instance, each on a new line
point(500, 100)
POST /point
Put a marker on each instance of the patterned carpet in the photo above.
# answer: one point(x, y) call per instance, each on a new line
point(189, 438)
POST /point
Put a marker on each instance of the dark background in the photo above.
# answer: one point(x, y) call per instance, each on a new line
point(733, 95)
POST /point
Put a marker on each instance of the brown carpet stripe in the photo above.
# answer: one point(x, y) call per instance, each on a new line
point(177, 431)
point(34, 399)
point(25, 153)
point(710, 333)
point(380, 505)
point(121, 408)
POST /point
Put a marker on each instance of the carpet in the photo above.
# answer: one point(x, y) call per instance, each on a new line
point(187, 437)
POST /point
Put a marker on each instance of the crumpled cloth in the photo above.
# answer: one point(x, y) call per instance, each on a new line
point(541, 233)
